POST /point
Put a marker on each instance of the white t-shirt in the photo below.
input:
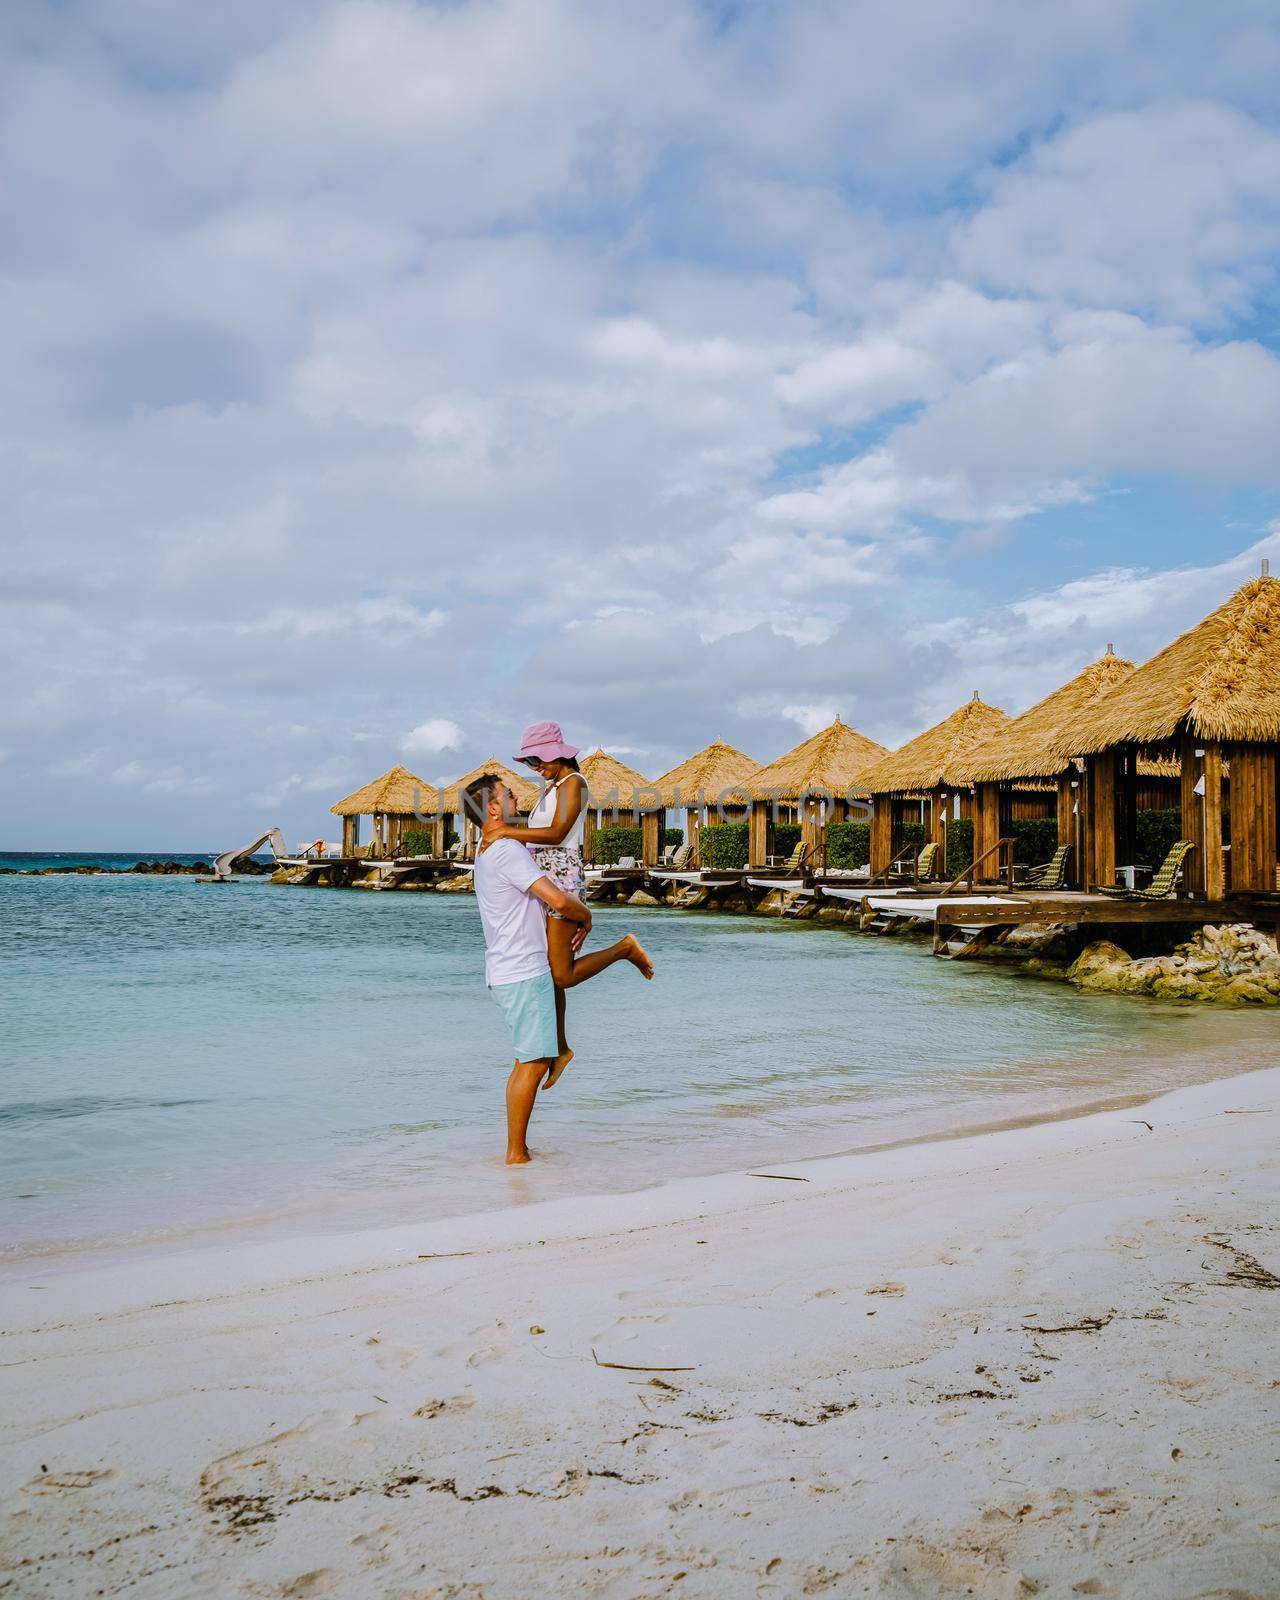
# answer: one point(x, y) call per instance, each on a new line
point(515, 922)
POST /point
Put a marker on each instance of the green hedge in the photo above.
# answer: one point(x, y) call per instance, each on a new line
point(724, 846)
point(614, 842)
point(848, 845)
point(422, 841)
point(1155, 834)
point(786, 836)
point(959, 845)
point(673, 836)
point(1034, 840)
point(910, 833)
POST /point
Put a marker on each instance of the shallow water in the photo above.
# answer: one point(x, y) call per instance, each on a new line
point(183, 1059)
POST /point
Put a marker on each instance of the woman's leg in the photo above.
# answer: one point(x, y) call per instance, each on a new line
point(568, 970)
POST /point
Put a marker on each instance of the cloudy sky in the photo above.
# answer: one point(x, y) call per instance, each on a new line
point(383, 375)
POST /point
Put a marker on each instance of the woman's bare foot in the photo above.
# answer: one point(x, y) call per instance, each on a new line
point(558, 1066)
point(518, 1158)
point(639, 957)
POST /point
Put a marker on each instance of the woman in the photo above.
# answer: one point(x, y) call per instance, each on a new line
point(554, 836)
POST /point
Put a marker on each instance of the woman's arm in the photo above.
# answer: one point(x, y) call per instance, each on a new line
point(569, 802)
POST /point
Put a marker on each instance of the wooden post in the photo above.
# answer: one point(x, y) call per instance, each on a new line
point(1253, 817)
point(1215, 870)
point(589, 837)
point(1100, 819)
point(1126, 807)
point(881, 833)
point(938, 808)
point(350, 827)
point(692, 828)
point(758, 834)
point(1066, 822)
point(651, 837)
point(812, 831)
point(1192, 824)
point(986, 828)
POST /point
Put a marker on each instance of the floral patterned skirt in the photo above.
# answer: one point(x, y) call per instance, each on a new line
point(563, 867)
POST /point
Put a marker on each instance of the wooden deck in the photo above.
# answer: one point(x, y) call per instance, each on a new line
point(1004, 909)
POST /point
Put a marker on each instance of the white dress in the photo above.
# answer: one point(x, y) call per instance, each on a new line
point(562, 862)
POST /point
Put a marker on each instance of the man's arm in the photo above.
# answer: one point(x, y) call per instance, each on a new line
point(567, 905)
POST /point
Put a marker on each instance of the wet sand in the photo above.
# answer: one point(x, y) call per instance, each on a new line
point(1036, 1361)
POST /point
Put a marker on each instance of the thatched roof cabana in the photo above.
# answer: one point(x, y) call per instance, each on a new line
point(1219, 681)
point(928, 760)
point(613, 785)
point(397, 793)
point(1030, 746)
point(704, 776)
point(524, 789)
point(833, 761)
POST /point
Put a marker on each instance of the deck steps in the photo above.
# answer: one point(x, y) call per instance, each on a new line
point(962, 944)
point(690, 897)
point(796, 904)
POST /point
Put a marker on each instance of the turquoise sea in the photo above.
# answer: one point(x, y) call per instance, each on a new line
point(195, 1062)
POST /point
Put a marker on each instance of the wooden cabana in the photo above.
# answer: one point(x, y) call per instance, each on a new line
point(918, 779)
point(713, 780)
point(1210, 702)
point(454, 801)
point(819, 779)
point(614, 791)
point(1028, 751)
point(397, 801)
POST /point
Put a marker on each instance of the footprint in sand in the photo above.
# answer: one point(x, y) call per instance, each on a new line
point(454, 1406)
point(60, 1482)
point(319, 1582)
point(893, 1289)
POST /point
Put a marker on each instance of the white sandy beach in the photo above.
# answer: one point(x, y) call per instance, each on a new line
point(1040, 1361)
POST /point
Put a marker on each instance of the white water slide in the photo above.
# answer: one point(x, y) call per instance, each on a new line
point(223, 864)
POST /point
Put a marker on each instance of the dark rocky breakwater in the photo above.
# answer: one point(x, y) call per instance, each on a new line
point(161, 869)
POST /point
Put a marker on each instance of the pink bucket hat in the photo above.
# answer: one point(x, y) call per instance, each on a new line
point(545, 741)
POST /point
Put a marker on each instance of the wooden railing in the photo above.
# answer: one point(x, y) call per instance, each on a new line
point(1002, 849)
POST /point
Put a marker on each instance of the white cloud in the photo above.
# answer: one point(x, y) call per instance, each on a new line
point(432, 737)
point(1172, 208)
point(526, 352)
point(813, 716)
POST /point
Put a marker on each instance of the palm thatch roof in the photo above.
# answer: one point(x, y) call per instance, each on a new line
point(709, 773)
point(612, 783)
point(397, 793)
point(832, 761)
point(927, 760)
point(1031, 745)
point(1219, 680)
point(524, 789)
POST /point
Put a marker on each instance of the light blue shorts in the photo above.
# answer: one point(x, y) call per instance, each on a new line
point(530, 1009)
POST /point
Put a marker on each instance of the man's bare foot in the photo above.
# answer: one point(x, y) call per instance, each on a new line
point(518, 1158)
point(639, 957)
point(558, 1066)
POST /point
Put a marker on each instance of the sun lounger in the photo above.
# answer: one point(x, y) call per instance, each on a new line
point(1164, 885)
point(788, 867)
point(921, 870)
point(679, 868)
point(1052, 875)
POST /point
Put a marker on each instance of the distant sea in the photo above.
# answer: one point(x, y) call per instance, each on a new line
point(184, 1061)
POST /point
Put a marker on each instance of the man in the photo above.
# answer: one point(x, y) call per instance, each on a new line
point(512, 892)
